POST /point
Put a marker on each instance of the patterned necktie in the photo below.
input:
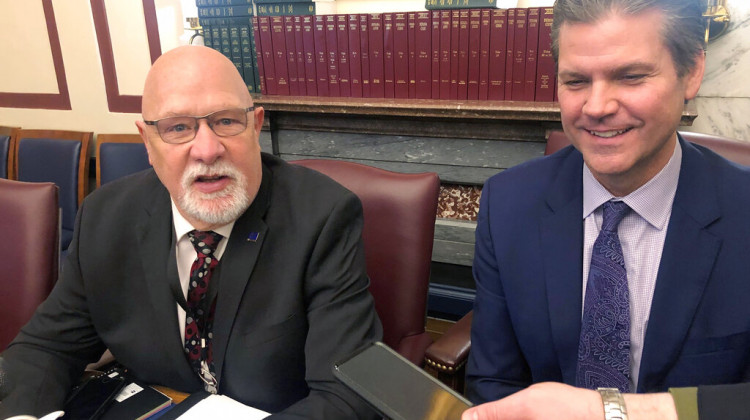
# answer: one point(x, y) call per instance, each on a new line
point(198, 324)
point(604, 347)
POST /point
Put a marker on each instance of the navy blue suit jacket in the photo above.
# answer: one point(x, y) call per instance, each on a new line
point(528, 268)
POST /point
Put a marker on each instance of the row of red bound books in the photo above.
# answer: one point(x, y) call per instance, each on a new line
point(465, 54)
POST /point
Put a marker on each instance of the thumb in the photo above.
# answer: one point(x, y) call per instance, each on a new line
point(487, 411)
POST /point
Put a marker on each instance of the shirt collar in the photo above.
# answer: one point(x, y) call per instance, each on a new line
point(182, 226)
point(652, 201)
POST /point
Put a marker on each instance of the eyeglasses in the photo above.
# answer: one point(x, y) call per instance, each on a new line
point(224, 123)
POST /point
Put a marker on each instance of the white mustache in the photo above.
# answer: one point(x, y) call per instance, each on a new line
point(198, 170)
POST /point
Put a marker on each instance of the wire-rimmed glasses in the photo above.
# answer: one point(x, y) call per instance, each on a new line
point(224, 123)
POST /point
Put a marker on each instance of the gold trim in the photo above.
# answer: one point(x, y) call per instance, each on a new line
point(717, 19)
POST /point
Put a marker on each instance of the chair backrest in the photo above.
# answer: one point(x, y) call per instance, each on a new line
point(118, 155)
point(8, 137)
point(731, 149)
point(556, 140)
point(30, 249)
point(60, 157)
point(399, 227)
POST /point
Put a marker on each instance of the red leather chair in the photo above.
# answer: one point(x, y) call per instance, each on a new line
point(399, 227)
point(447, 356)
point(30, 224)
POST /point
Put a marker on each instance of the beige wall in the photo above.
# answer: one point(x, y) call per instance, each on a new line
point(28, 64)
point(33, 71)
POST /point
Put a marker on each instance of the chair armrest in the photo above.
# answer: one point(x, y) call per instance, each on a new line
point(449, 353)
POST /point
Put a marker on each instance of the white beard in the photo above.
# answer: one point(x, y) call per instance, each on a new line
point(220, 207)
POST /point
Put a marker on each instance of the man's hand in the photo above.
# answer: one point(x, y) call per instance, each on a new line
point(558, 401)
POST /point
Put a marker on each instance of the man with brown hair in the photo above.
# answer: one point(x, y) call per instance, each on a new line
point(617, 263)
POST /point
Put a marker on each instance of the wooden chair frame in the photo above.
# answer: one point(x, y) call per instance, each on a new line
point(13, 133)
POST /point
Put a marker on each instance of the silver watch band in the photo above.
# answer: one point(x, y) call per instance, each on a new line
point(614, 404)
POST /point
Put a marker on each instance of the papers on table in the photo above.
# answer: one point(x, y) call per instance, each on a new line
point(222, 407)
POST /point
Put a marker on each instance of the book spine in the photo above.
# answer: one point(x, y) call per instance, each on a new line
point(455, 46)
point(260, 87)
point(375, 41)
point(248, 70)
point(321, 55)
point(459, 4)
point(299, 49)
point(285, 9)
point(435, 46)
point(498, 35)
point(236, 43)
point(445, 54)
point(545, 75)
point(423, 57)
point(355, 55)
point(225, 11)
point(388, 60)
point(260, 76)
point(278, 41)
point(463, 55)
point(412, 35)
point(475, 35)
point(364, 51)
point(333, 55)
point(213, 3)
point(226, 40)
point(401, 55)
point(269, 59)
point(510, 36)
point(342, 42)
point(484, 54)
point(308, 45)
point(291, 54)
point(206, 30)
point(215, 35)
point(532, 44)
point(519, 56)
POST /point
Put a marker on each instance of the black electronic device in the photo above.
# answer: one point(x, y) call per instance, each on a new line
point(92, 398)
point(397, 388)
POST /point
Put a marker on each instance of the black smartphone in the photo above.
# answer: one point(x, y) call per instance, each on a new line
point(92, 398)
point(397, 388)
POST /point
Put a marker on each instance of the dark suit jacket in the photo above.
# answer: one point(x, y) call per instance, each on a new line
point(528, 270)
point(289, 304)
point(724, 402)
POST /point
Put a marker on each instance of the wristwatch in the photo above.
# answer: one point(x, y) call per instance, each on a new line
point(614, 404)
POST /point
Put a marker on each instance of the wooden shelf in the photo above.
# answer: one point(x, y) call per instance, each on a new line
point(427, 108)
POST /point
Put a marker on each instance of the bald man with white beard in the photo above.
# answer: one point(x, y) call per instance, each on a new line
point(289, 294)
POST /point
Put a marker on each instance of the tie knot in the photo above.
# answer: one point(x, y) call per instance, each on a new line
point(204, 241)
point(614, 211)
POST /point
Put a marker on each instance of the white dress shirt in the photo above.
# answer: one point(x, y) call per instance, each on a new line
point(186, 254)
point(642, 234)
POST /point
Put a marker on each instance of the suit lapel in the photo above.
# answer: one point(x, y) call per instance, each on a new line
point(561, 246)
point(690, 251)
point(236, 267)
point(155, 236)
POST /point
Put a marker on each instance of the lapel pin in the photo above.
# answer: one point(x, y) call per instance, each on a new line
point(253, 236)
